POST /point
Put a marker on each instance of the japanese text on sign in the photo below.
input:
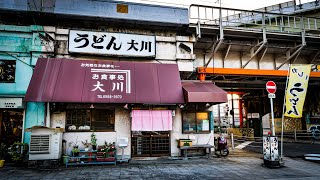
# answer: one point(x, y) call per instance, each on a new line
point(111, 43)
point(110, 83)
point(296, 90)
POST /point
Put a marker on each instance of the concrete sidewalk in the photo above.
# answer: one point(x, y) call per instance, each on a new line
point(231, 167)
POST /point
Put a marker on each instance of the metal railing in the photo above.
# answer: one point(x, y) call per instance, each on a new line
point(253, 20)
point(295, 136)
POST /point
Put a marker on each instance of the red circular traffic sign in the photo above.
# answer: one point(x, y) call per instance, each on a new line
point(271, 87)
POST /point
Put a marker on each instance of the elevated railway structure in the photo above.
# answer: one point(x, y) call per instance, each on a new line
point(237, 47)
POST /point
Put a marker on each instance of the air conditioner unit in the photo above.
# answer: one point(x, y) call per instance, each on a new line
point(45, 143)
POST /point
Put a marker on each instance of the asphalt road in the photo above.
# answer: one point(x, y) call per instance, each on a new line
point(289, 149)
point(229, 168)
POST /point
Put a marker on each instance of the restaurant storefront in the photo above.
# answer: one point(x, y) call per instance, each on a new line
point(144, 102)
point(138, 95)
point(99, 98)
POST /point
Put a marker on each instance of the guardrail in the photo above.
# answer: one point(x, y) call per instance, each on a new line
point(253, 20)
point(310, 136)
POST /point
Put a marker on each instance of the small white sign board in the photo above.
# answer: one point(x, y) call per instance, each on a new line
point(272, 96)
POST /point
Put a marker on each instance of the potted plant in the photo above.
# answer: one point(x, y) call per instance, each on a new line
point(75, 148)
point(101, 150)
point(86, 145)
point(75, 151)
point(93, 141)
point(106, 152)
point(110, 148)
point(3, 152)
point(18, 152)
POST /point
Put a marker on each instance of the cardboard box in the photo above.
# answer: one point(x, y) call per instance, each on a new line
point(185, 142)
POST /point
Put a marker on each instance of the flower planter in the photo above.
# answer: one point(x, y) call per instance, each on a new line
point(75, 154)
point(103, 153)
point(100, 153)
point(111, 153)
point(108, 159)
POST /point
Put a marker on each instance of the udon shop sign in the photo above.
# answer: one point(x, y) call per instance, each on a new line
point(108, 81)
point(113, 44)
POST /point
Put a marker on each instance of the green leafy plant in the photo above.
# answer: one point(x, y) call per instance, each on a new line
point(75, 150)
point(18, 151)
point(93, 139)
point(110, 147)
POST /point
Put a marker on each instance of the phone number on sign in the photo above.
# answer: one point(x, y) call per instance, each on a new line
point(110, 96)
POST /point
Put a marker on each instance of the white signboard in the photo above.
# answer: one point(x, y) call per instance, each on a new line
point(249, 115)
point(205, 125)
point(11, 103)
point(270, 148)
point(266, 148)
point(274, 149)
point(115, 44)
point(255, 115)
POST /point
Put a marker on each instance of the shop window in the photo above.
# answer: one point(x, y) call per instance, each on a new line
point(196, 122)
point(7, 71)
point(88, 120)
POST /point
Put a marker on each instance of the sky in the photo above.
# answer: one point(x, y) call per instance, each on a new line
point(238, 4)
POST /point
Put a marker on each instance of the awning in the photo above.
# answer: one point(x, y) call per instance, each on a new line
point(151, 120)
point(85, 81)
point(203, 92)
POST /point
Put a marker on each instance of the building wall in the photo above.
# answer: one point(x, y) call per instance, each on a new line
point(177, 134)
point(23, 45)
point(122, 128)
point(167, 47)
point(35, 116)
point(103, 9)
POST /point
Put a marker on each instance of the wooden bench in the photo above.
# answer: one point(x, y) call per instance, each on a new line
point(205, 147)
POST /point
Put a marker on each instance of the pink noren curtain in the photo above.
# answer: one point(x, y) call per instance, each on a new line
point(151, 120)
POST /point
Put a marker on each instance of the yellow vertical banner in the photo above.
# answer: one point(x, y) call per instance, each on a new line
point(297, 89)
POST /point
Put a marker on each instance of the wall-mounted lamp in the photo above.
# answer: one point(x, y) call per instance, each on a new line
point(91, 107)
point(185, 47)
point(181, 106)
point(126, 106)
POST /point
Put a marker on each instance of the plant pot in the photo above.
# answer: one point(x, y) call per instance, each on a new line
point(1, 163)
point(65, 159)
point(94, 147)
point(111, 153)
point(99, 159)
point(100, 153)
point(75, 154)
point(108, 159)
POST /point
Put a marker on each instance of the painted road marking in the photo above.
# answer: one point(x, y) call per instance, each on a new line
point(242, 145)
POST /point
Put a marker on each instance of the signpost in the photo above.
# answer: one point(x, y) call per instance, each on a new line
point(270, 143)
point(271, 88)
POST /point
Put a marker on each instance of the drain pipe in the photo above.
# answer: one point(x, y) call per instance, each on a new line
point(48, 119)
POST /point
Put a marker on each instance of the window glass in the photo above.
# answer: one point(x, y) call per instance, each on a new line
point(195, 122)
point(7, 71)
point(202, 121)
point(87, 120)
point(103, 120)
point(189, 122)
